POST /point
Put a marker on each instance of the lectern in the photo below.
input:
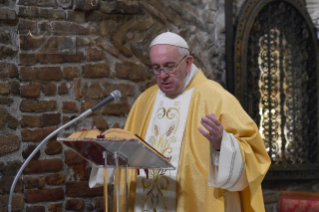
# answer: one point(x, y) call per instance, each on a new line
point(118, 153)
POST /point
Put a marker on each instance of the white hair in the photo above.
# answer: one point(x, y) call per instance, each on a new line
point(182, 51)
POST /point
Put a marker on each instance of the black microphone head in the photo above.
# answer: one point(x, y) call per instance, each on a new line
point(116, 95)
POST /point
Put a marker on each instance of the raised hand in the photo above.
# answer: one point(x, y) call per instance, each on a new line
point(214, 128)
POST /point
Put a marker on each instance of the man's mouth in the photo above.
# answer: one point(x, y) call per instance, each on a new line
point(166, 84)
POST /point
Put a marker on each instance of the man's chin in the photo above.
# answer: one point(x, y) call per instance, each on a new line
point(169, 92)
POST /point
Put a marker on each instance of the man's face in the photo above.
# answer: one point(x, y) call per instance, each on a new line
point(168, 56)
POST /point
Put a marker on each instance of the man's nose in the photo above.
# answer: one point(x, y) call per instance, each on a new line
point(162, 74)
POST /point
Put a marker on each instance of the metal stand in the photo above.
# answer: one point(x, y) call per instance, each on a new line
point(116, 180)
point(105, 182)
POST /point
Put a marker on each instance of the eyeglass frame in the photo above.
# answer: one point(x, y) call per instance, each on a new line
point(164, 69)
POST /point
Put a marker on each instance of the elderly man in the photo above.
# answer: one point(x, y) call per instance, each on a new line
point(219, 154)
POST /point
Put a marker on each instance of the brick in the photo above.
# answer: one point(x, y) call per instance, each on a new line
point(123, 50)
point(61, 58)
point(125, 88)
point(107, 27)
point(95, 54)
point(95, 91)
point(47, 3)
point(33, 182)
point(72, 158)
point(131, 71)
point(51, 119)
point(7, 52)
point(63, 89)
point(49, 89)
point(77, 88)
point(27, 59)
point(44, 27)
point(7, 14)
point(38, 106)
point(5, 37)
point(40, 3)
point(15, 87)
point(6, 100)
point(69, 28)
point(10, 142)
point(35, 208)
point(27, 152)
point(26, 26)
point(37, 134)
point(71, 72)
point(49, 73)
point(45, 195)
point(55, 179)
point(18, 201)
point(128, 7)
point(28, 74)
point(29, 42)
point(41, 73)
point(80, 172)
point(170, 15)
point(74, 204)
point(12, 70)
point(4, 88)
point(55, 207)
point(3, 117)
point(30, 91)
point(69, 107)
point(6, 182)
point(11, 168)
point(100, 123)
point(76, 16)
point(53, 148)
point(81, 189)
point(31, 121)
point(13, 123)
point(37, 12)
point(46, 165)
point(104, 44)
point(82, 41)
point(86, 5)
point(140, 51)
point(99, 70)
point(118, 108)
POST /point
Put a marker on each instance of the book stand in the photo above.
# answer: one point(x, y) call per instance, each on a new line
point(118, 153)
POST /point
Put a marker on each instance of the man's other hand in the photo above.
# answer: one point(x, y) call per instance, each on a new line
point(214, 128)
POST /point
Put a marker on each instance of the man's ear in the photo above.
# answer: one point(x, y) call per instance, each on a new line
point(189, 62)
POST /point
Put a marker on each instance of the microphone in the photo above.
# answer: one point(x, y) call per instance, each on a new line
point(114, 96)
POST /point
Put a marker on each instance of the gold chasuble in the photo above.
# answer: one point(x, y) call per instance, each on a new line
point(193, 193)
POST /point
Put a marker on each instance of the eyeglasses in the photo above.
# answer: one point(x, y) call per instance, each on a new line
point(167, 69)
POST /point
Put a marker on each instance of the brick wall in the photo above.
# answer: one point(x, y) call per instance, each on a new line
point(60, 57)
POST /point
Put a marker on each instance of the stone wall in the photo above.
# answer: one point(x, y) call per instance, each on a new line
point(60, 57)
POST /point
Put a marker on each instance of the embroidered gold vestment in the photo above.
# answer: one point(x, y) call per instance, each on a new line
point(193, 191)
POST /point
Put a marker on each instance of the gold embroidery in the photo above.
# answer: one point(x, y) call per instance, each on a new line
point(161, 141)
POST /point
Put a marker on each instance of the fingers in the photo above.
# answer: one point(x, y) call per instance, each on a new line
point(213, 119)
point(205, 134)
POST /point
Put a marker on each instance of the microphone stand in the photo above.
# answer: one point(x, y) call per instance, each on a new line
point(115, 95)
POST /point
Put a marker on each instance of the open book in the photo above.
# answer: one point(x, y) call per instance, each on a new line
point(133, 150)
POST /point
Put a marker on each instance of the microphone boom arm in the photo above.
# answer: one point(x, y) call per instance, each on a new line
point(114, 96)
point(82, 115)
